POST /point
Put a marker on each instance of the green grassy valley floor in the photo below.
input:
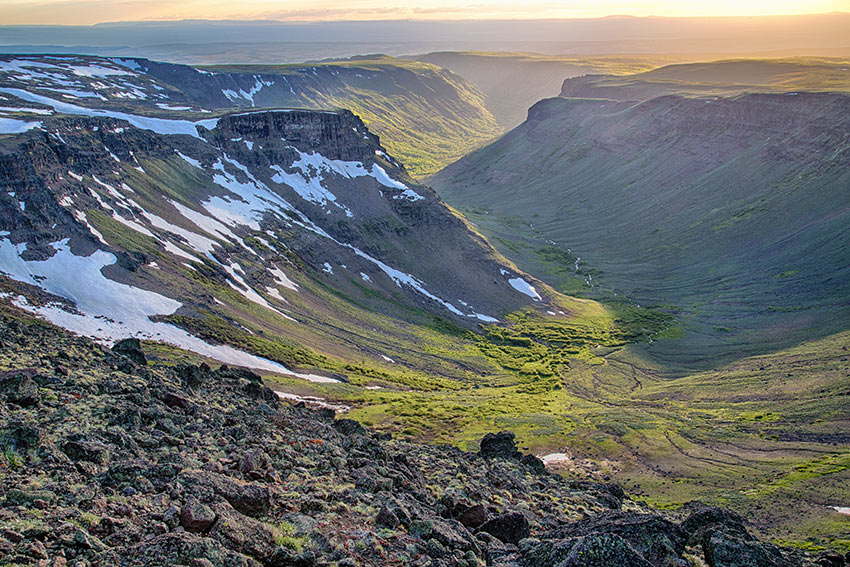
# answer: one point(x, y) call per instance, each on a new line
point(768, 436)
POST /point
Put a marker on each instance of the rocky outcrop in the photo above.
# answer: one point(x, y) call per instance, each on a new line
point(128, 477)
point(334, 134)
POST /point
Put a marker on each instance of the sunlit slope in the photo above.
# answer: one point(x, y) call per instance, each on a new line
point(426, 116)
point(512, 82)
point(717, 78)
point(731, 212)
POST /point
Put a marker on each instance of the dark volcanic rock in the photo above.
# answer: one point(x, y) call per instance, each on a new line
point(241, 533)
point(473, 516)
point(255, 463)
point(83, 450)
point(706, 519)
point(534, 463)
point(250, 499)
point(659, 541)
point(349, 427)
point(386, 518)
point(596, 550)
point(830, 559)
point(509, 528)
point(132, 349)
point(19, 387)
point(725, 550)
point(175, 549)
point(499, 445)
point(196, 517)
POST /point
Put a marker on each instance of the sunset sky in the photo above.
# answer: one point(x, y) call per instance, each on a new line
point(82, 12)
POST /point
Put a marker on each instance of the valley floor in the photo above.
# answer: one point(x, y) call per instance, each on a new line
point(768, 436)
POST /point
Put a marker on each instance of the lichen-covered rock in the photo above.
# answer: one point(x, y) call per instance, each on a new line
point(250, 499)
point(657, 540)
point(18, 387)
point(595, 550)
point(174, 549)
point(196, 517)
point(132, 349)
point(509, 528)
point(725, 550)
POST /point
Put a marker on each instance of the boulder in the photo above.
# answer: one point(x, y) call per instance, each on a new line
point(536, 465)
point(249, 499)
point(386, 518)
point(349, 427)
point(132, 349)
point(19, 387)
point(707, 519)
point(499, 445)
point(84, 450)
point(509, 528)
point(473, 516)
point(255, 463)
point(595, 550)
point(658, 540)
point(196, 517)
point(830, 559)
point(242, 534)
point(726, 550)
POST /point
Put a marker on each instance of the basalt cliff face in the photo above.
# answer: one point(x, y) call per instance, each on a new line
point(427, 116)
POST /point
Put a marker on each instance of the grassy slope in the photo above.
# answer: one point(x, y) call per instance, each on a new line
point(723, 78)
point(426, 117)
point(780, 454)
point(735, 235)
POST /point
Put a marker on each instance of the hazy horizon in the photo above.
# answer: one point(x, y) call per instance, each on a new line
point(89, 12)
point(217, 41)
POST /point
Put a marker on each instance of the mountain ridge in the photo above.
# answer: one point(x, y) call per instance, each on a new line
point(652, 165)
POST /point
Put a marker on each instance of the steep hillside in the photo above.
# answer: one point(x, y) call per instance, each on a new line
point(155, 465)
point(512, 82)
point(717, 78)
point(425, 115)
point(732, 212)
point(291, 242)
point(289, 235)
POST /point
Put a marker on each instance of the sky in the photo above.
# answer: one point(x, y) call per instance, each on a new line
point(87, 12)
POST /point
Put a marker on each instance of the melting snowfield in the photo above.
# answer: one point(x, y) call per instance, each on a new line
point(13, 126)
point(523, 286)
point(158, 125)
point(107, 310)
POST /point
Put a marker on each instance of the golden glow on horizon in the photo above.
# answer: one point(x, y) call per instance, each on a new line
point(83, 12)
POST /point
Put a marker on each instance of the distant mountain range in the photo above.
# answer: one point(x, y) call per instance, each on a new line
point(208, 42)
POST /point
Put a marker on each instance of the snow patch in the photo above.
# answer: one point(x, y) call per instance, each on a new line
point(107, 310)
point(158, 125)
point(282, 279)
point(523, 286)
point(13, 126)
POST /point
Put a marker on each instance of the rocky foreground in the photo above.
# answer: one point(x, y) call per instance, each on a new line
point(107, 460)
